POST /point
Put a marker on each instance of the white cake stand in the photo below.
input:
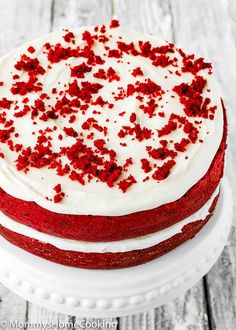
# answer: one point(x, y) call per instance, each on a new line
point(111, 293)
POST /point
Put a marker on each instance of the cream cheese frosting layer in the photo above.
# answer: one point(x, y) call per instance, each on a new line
point(89, 192)
point(138, 243)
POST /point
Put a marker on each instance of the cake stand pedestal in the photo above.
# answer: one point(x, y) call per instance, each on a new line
point(112, 293)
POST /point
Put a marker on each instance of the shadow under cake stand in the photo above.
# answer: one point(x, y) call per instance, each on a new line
point(113, 293)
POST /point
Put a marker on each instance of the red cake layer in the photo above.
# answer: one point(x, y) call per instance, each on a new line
point(108, 228)
point(106, 260)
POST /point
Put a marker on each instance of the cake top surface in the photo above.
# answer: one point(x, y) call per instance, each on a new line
point(105, 121)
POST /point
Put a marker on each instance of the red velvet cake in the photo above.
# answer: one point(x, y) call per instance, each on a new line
point(112, 147)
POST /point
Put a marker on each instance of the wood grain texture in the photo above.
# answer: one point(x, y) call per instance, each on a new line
point(44, 316)
point(211, 33)
point(20, 23)
point(12, 307)
point(148, 16)
point(207, 28)
point(74, 13)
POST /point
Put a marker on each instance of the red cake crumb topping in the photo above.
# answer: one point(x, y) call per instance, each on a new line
point(80, 70)
point(31, 50)
point(137, 72)
point(5, 103)
point(136, 130)
point(30, 65)
point(163, 171)
point(132, 117)
point(125, 184)
point(57, 188)
point(58, 53)
point(114, 24)
point(146, 165)
point(191, 98)
point(69, 37)
point(82, 109)
point(190, 64)
point(161, 153)
point(59, 194)
point(23, 88)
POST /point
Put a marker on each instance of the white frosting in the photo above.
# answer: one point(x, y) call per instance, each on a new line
point(138, 243)
point(97, 198)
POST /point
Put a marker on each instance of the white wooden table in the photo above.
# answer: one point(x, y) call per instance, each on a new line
point(207, 27)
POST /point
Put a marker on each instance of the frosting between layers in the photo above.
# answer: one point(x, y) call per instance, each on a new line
point(138, 243)
point(95, 198)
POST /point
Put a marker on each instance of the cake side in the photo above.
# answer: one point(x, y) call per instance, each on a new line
point(113, 260)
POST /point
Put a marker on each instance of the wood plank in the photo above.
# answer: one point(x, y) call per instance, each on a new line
point(12, 307)
point(148, 16)
point(42, 316)
point(211, 32)
point(185, 312)
point(221, 282)
point(73, 13)
point(20, 23)
point(141, 321)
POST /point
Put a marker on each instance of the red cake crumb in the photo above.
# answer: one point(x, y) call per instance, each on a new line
point(146, 165)
point(161, 153)
point(114, 24)
point(31, 49)
point(5, 103)
point(140, 133)
point(125, 184)
point(162, 60)
point(30, 65)
point(23, 88)
point(101, 74)
point(137, 72)
point(58, 197)
point(132, 117)
point(149, 108)
point(112, 75)
point(79, 70)
point(59, 194)
point(114, 53)
point(69, 37)
point(70, 131)
point(58, 53)
point(163, 171)
point(57, 188)
point(194, 65)
point(182, 146)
